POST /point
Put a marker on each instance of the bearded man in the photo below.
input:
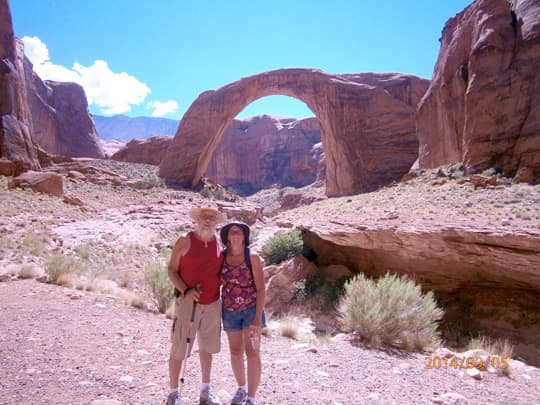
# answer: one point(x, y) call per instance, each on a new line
point(194, 270)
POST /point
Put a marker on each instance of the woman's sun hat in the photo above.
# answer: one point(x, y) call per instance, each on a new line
point(224, 232)
point(195, 212)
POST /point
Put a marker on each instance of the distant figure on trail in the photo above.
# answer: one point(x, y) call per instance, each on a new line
point(242, 295)
point(194, 270)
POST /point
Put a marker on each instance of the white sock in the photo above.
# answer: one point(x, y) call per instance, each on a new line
point(252, 399)
point(174, 390)
point(204, 386)
point(244, 387)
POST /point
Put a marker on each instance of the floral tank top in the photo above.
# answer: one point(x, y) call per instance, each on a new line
point(238, 292)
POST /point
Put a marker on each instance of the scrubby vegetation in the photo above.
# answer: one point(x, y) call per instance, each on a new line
point(390, 311)
point(283, 246)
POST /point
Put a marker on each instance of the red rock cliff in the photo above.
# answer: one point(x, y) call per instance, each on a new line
point(483, 105)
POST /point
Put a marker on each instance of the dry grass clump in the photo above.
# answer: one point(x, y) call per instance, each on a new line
point(28, 271)
point(500, 347)
point(391, 311)
point(288, 327)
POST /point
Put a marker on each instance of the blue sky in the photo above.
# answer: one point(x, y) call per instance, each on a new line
point(144, 58)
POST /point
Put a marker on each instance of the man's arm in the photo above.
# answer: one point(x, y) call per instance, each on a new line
point(181, 247)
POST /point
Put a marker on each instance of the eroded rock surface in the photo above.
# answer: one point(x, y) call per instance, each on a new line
point(483, 105)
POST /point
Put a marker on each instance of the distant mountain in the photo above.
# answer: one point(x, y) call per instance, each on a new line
point(123, 128)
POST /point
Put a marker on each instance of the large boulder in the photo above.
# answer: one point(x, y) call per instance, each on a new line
point(483, 105)
point(367, 124)
point(43, 182)
point(16, 142)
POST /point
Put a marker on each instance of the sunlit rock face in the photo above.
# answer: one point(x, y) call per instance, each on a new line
point(16, 143)
point(367, 124)
point(483, 105)
point(62, 124)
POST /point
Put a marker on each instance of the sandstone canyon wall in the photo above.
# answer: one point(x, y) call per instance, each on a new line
point(49, 114)
point(16, 143)
point(264, 151)
point(483, 105)
point(62, 124)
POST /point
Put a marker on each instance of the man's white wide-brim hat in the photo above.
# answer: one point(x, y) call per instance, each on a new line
point(195, 212)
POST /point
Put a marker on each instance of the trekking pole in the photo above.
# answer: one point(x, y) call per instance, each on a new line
point(188, 339)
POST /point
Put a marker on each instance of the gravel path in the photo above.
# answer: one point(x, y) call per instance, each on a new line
point(63, 346)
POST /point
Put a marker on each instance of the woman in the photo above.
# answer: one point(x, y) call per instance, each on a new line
point(243, 316)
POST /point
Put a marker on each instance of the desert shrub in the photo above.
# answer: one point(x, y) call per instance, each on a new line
point(283, 246)
point(391, 311)
point(58, 266)
point(158, 284)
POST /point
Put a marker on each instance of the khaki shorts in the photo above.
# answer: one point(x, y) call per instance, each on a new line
point(206, 327)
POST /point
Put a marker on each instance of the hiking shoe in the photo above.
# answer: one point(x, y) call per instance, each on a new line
point(173, 399)
point(209, 397)
point(239, 397)
point(250, 402)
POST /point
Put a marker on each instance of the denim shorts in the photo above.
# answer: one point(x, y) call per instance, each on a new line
point(234, 321)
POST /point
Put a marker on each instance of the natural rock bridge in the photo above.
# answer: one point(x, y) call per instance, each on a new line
point(367, 124)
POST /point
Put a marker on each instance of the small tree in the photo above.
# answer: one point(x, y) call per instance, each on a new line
point(283, 246)
point(391, 311)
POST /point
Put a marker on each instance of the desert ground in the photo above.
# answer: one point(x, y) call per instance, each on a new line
point(97, 337)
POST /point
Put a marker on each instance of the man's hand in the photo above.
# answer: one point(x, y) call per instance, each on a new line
point(193, 293)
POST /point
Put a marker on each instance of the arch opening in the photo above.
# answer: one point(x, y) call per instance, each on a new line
point(267, 146)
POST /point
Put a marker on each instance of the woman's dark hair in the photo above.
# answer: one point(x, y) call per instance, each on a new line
point(224, 232)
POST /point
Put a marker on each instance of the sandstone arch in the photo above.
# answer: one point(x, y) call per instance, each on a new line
point(367, 124)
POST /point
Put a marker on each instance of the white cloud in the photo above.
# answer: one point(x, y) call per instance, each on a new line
point(162, 108)
point(113, 93)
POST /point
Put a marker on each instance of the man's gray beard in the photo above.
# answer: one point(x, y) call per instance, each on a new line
point(205, 233)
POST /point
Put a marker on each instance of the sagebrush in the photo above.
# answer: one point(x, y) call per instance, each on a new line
point(158, 284)
point(391, 311)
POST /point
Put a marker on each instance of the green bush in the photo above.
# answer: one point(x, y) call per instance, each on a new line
point(160, 287)
point(283, 246)
point(57, 265)
point(320, 287)
point(391, 311)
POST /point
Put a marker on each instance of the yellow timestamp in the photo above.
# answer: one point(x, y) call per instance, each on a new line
point(457, 362)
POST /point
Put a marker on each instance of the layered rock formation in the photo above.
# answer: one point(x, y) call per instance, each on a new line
point(62, 123)
point(264, 151)
point(367, 124)
point(483, 105)
point(149, 151)
point(16, 142)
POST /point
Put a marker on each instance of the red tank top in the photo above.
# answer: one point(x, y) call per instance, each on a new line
point(201, 264)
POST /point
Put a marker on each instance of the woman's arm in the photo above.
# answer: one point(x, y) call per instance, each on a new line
point(258, 277)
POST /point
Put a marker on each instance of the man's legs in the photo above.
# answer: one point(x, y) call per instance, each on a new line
point(206, 366)
point(174, 372)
